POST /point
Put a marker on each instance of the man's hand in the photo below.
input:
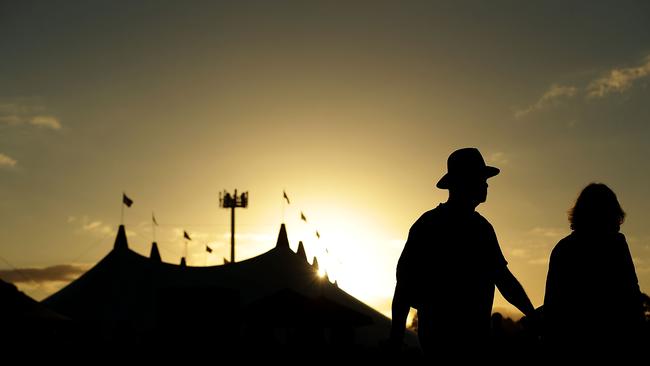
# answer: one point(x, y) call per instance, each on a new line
point(532, 323)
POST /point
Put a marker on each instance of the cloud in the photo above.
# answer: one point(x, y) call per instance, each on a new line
point(498, 158)
point(550, 97)
point(548, 232)
point(618, 80)
point(46, 121)
point(96, 227)
point(519, 252)
point(87, 225)
point(20, 113)
point(539, 261)
point(6, 161)
point(92, 226)
point(61, 272)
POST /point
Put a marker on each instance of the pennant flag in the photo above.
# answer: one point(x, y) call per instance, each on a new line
point(208, 249)
point(153, 218)
point(286, 197)
point(126, 200)
point(186, 235)
point(302, 217)
point(317, 234)
point(225, 261)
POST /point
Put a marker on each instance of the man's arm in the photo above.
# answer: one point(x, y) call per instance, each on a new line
point(400, 310)
point(513, 292)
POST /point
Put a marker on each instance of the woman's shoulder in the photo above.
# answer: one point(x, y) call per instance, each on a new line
point(565, 244)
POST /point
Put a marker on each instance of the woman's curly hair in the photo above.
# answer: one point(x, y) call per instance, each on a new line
point(596, 208)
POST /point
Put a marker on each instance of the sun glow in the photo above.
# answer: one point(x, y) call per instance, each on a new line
point(349, 250)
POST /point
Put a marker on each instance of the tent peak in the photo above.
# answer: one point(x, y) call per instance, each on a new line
point(283, 239)
point(301, 251)
point(155, 253)
point(120, 240)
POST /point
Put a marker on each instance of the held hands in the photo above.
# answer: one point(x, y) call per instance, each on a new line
point(533, 322)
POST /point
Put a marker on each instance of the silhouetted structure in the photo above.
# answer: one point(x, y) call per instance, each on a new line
point(592, 303)
point(25, 322)
point(450, 265)
point(233, 202)
point(275, 302)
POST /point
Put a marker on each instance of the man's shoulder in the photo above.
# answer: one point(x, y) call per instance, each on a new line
point(430, 216)
point(482, 220)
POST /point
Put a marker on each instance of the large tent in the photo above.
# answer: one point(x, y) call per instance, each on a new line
point(276, 299)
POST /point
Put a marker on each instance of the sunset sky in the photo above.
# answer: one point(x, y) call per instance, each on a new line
point(351, 107)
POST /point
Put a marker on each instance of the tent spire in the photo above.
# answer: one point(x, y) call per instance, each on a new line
point(301, 251)
point(283, 239)
point(155, 254)
point(120, 239)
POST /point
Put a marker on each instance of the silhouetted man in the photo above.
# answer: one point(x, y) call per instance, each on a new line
point(450, 265)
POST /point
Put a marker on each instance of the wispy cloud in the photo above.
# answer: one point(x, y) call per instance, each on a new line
point(7, 161)
point(498, 158)
point(539, 261)
point(46, 121)
point(86, 225)
point(519, 252)
point(21, 113)
point(62, 272)
point(618, 80)
point(551, 97)
point(548, 232)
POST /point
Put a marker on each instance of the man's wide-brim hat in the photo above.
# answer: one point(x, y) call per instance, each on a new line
point(466, 165)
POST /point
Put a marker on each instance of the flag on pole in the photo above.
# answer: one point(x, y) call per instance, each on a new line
point(208, 249)
point(286, 197)
point(225, 261)
point(126, 200)
point(186, 235)
point(153, 218)
point(302, 217)
point(317, 234)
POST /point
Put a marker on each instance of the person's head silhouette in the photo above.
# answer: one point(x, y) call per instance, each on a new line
point(466, 177)
point(596, 209)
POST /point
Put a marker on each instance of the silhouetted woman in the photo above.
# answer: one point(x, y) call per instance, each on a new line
point(592, 301)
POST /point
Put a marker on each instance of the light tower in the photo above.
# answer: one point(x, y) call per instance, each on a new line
point(232, 202)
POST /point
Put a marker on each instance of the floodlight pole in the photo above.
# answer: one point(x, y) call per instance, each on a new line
point(232, 202)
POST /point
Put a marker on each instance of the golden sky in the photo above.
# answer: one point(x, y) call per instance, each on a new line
point(352, 108)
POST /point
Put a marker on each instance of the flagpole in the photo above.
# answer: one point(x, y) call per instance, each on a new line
point(153, 226)
point(122, 212)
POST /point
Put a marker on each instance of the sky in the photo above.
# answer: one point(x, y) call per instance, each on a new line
point(352, 108)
